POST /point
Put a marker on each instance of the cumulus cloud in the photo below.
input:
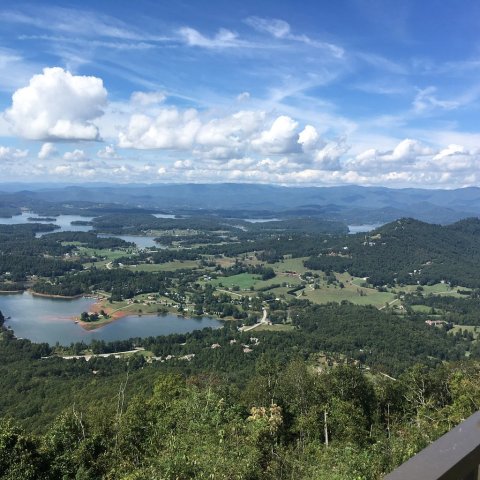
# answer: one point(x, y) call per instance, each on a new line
point(456, 158)
point(407, 152)
point(239, 135)
point(228, 137)
point(46, 151)
point(452, 149)
point(108, 152)
point(57, 105)
point(170, 129)
point(328, 157)
point(183, 164)
point(174, 129)
point(75, 156)
point(281, 137)
point(12, 154)
point(308, 138)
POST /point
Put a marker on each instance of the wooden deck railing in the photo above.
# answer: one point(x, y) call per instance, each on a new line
point(455, 456)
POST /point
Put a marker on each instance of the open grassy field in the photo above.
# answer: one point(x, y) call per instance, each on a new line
point(332, 293)
point(243, 280)
point(423, 308)
point(274, 328)
point(291, 281)
point(290, 265)
point(106, 253)
point(165, 267)
point(437, 289)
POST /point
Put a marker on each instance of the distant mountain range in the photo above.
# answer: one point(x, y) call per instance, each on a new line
point(351, 204)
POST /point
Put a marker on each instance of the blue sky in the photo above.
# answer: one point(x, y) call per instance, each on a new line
point(376, 92)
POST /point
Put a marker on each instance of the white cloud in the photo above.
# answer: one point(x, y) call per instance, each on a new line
point(274, 164)
point(228, 137)
point(328, 158)
point(452, 149)
point(222, 39)
point(308, 138)
point(12, 154)
point(281, 29)
point(75, 156)
point(281, 137)
point(57, 105)
point(407, 152)
point(426, 101)
point(170, 129)
point(108, 152)
point(183, 164)
point(147, 98)
point(46, 151)
point(62, 170)
point(274, 26)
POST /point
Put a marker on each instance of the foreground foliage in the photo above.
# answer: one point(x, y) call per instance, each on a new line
point(199, 427)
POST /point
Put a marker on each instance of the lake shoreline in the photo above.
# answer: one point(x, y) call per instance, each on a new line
point(61, 297)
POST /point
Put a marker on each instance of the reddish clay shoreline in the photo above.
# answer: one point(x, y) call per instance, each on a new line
point(48, 295)
point(113, 316)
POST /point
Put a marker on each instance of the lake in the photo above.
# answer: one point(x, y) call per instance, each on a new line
point(139, 240)
point(260, 220)
point(63, 221)
point(50, 320)
point(368, 227)
point(164, 215)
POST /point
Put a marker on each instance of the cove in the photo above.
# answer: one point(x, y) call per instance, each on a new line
point(50, 320)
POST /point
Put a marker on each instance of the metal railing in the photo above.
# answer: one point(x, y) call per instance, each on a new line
point(455, 456)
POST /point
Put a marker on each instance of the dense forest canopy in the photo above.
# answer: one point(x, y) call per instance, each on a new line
point(164, 422)
point(408, 251)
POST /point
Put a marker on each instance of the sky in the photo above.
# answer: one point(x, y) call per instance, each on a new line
point(365, 92)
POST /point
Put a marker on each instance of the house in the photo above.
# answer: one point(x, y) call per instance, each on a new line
point(435, 323)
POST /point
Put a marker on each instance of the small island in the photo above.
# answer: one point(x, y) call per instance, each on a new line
point(81, 223)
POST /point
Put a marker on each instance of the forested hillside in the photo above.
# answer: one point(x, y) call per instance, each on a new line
point(408, 251)
point(286, 421)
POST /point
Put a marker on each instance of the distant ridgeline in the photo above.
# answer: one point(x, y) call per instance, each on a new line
point(349, 203)
point(408, 251)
